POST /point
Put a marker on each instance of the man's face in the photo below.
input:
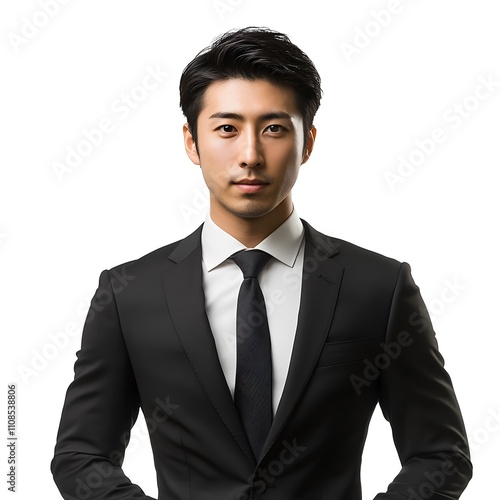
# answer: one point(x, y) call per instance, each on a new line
point(250, 148)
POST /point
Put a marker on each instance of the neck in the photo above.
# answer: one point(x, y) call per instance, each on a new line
point(250, 231)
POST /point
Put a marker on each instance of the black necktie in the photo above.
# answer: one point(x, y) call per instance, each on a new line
point(253, 389)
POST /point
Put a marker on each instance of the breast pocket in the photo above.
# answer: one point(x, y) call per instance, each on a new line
point(347, 351)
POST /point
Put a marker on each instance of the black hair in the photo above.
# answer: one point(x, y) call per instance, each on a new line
point(252, 54)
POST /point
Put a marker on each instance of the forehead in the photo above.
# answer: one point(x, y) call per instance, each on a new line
point(238, 95)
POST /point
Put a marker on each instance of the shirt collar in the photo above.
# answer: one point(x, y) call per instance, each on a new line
point(283, 243)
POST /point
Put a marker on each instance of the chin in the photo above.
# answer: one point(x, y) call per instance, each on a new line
point(250, 212)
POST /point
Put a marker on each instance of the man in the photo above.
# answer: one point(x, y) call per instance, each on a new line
point(258, 383)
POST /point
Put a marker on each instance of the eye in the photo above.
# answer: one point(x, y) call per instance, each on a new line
point(276, 128)
point(228, 129)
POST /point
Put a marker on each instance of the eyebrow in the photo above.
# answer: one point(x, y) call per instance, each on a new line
point(266, 116)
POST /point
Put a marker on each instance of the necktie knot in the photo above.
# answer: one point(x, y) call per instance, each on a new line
point(250, 262)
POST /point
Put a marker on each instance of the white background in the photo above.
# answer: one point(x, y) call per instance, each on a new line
point(136, 190)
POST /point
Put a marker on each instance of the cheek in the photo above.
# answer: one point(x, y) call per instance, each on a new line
point(213, 157)
point(285, 159)
point(213, 147)
point(284, 152)
point(216, 178)
point(291, 175)
point(218, 154)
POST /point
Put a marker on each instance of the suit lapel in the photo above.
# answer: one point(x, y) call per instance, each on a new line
point(183, 289)
point(321, 280)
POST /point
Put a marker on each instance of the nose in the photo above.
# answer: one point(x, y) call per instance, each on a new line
point(250, 153)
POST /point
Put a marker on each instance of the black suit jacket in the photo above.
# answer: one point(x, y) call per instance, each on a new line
point(363, 337)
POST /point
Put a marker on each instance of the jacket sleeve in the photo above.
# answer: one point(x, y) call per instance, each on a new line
point(101, 406)
point(417, 398)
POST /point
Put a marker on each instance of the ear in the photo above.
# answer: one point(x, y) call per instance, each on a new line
point(190, 145)
point(311, 137)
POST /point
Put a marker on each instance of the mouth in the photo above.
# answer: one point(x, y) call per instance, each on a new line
point(250, 185)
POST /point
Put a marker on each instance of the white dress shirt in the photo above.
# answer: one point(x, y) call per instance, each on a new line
point(281, 284)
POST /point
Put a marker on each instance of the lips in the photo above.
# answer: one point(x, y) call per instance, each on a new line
point(250, 185)
point(251, 182)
